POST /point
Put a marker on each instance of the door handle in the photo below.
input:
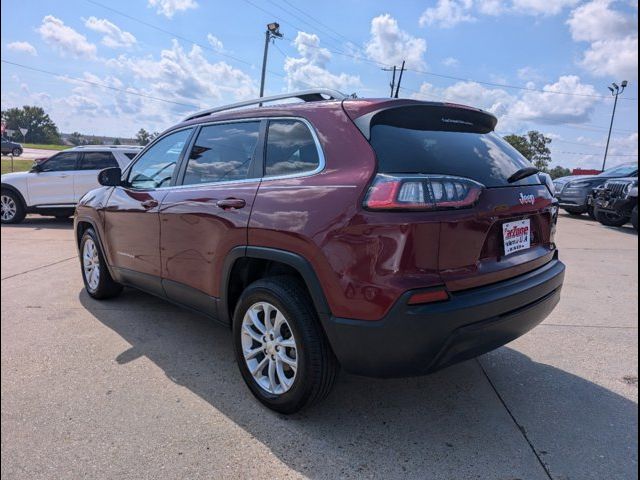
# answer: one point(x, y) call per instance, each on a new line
point(147, 204)
point(229, 203)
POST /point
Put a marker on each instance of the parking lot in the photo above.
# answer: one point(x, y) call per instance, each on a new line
point(137, 388)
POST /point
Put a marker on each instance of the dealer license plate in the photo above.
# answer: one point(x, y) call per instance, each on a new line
point(517, 236)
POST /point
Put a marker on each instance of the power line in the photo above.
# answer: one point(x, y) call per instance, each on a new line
point(185, 39)
point(173, 34)
point(449, 77)
point(102, 85)
point(293, 14)
point(513, 87)
point(320, 23)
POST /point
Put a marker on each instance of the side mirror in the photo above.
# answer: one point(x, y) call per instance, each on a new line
point(110, 177)
point(36, 168)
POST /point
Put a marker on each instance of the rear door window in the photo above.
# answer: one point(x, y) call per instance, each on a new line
point(61, 162)
point(222, 153)
point(291, 149)
point(446, 146)
point(97, 161)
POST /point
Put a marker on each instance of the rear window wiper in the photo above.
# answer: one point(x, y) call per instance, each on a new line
point(523, 173)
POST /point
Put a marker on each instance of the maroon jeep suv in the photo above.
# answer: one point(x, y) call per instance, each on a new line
point(390, 237)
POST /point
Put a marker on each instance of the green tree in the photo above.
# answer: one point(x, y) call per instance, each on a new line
point(534, 147)
point(557, 172)
point(116, 141)
point(143, 136)
point(41, 129)
point(76, 138)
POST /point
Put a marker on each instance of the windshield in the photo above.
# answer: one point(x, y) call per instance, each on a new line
point(620, 171)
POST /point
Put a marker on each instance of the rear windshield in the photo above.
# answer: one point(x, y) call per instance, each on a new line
point(484, 157)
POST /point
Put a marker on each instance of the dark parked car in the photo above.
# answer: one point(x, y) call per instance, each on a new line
point(11, 148)
point(617, 202)
point(575, 192)
point(391, 237)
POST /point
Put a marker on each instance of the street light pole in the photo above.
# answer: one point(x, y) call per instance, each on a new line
point(615, 91)
point(273, 31)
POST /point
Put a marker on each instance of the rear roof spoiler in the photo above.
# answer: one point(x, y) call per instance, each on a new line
point(429, 116)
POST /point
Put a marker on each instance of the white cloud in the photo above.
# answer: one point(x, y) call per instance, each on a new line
point(617, 58)
point(551, 108)
point(517, 109)
point(215, 43)
point(309, 69)
point(594, 21)
point(447, 13)
point(390, 45)
point(65, 39)
point(168, 8)
point(451, 62)
point(541, 7)
point(113, 37)
point(613, 36)
point(23, 47)
point(186, 77)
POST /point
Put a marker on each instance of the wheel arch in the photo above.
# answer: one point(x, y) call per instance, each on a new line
point(298, 264)
point(81, 225)
point(13, 189)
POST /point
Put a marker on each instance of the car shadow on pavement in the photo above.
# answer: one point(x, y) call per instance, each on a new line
point(451, 424)
point(37, 222)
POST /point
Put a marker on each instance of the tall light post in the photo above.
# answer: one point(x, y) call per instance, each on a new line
point(615, 91)
point(273, 31)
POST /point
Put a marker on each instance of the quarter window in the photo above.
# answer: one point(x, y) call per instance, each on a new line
point(222, 153)
point(97, 161)
point(155, 167)
point(61, 162)
point(291, 149)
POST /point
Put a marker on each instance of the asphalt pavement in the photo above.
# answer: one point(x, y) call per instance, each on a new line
point(137, 388)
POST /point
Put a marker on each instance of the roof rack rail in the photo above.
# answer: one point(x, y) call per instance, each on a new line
point(108, 146)
point(313, 95)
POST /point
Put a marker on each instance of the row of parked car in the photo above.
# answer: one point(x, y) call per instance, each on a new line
point(610, 197)
point(54, 185)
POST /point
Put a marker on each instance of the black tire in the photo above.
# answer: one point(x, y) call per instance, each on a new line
point(317, 364)
point(634, 217)
point(16, 152)
point(573, 212)
point(610, 219)
point(106, 287)
point(10, 198)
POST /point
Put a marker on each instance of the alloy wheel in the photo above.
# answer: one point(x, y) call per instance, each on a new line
point(269, 348)
point(8, 208)
point(91, 264)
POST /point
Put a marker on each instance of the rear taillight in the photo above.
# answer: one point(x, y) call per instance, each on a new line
point(421, 192)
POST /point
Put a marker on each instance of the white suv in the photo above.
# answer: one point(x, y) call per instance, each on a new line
point(54, 186)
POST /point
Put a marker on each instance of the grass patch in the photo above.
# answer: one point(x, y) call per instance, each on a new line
point(19, 165)
point(40, 146)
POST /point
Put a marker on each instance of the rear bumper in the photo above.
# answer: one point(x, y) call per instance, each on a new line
point(414, 340)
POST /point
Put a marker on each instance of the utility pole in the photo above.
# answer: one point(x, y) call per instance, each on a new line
point(393, 79)
point(273, 31)
point(615, 91)
point(400, 79)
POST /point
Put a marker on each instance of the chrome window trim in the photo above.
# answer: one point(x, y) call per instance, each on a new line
point(321, 157)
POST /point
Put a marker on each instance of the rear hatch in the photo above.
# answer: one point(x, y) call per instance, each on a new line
point(439, 154)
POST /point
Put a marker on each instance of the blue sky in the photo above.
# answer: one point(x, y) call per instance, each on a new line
point(508, 56)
